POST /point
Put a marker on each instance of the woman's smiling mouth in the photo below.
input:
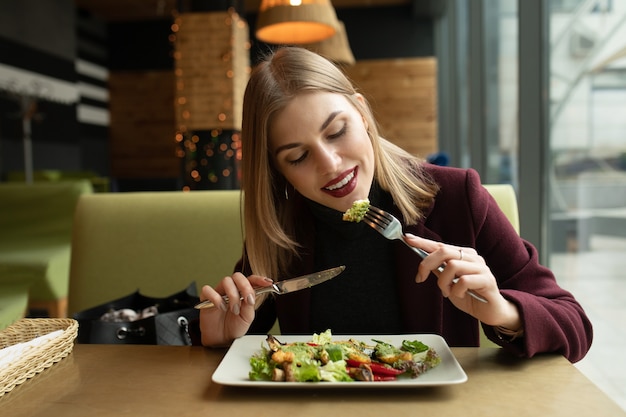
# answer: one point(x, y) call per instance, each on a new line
point(344, 186)
point(341, 183)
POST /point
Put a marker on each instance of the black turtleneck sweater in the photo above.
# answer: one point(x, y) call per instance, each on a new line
point(363, 299)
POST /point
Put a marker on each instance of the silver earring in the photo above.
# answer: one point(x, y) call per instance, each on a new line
point(286, 193)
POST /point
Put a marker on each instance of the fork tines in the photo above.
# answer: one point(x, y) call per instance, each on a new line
point(377, 215)
point(378, 211)
point(376, 220)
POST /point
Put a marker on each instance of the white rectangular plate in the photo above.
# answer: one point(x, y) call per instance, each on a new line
point(234, 368)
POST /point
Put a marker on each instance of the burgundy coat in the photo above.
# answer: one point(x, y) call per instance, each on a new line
point(463, 214)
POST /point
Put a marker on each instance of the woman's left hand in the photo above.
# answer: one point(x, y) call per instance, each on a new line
point(473, 274)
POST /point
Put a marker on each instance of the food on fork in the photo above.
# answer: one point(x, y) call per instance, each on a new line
point(322, 359)
point(357, 211)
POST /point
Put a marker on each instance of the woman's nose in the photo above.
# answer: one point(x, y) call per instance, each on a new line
point(328, 160)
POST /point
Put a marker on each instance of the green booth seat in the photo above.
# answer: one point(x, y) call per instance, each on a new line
point(13, 303)
point(99, 183)
point(158, 242)
point(155, 242)
point(35, 240)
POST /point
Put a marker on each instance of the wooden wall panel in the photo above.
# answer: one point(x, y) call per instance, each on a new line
point(212, 69)
point(143, 125)
point(205, 91)
point(403, 96)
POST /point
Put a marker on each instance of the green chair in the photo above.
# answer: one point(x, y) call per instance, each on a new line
point(13, 303)
point(504, 194)
point(157, 242)
point(35, 238)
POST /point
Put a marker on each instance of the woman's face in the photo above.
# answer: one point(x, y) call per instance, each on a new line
point(319, 142)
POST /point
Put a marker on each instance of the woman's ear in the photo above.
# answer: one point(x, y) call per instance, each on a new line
point(359, 97)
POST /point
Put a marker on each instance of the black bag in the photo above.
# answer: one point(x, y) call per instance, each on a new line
point(176, 321)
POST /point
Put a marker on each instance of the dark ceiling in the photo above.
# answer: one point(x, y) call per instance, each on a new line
point(128, 10)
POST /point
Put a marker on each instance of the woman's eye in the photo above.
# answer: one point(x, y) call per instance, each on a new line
point(338, 134)
point(299, 160)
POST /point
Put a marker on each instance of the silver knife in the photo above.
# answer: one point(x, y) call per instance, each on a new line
point(289, 285)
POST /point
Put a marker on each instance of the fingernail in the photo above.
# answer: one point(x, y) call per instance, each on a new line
point(250, 299)
point(269, 280)
point(223, 306)
point(236, 309)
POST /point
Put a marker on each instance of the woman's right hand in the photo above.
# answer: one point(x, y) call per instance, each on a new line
point(229, 320)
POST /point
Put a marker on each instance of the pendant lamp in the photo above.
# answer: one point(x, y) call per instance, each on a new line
point(296, 21)
point(336, 48)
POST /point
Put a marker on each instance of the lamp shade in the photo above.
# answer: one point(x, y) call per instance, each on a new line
point(336, 48)
point(296, 21)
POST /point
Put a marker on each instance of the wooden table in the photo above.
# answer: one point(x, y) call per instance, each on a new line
point(115, 380)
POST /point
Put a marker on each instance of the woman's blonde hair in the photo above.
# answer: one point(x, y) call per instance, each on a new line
point(269, 218)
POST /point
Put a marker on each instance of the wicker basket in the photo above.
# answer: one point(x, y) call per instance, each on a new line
point(35, 360)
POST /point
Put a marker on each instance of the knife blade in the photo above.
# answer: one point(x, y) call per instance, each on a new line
point(288, 285)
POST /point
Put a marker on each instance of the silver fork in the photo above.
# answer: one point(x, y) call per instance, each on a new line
point(391, 228)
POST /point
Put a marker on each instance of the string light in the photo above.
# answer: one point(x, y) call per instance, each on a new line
point(200, 91)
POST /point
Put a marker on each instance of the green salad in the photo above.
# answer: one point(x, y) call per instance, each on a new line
point(357, 211)
point(322, 359)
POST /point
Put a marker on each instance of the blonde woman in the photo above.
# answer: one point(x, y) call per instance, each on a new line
point(311, 147)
